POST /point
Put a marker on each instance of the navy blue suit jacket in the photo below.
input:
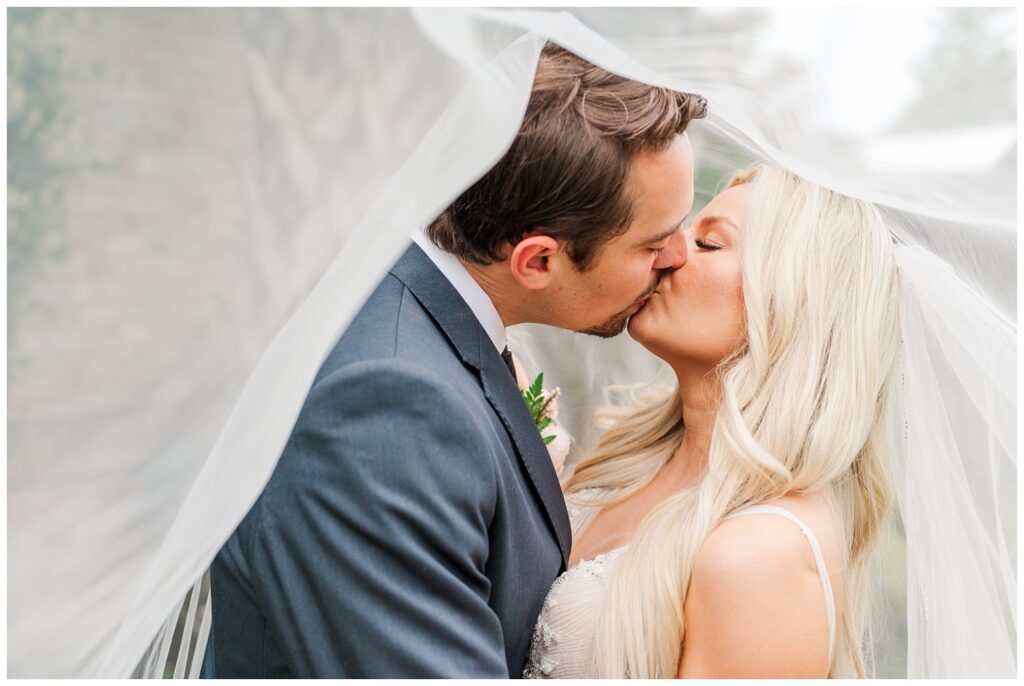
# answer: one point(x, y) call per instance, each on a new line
point(414, 523)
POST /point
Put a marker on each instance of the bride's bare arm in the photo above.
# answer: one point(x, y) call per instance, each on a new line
point(755, 607)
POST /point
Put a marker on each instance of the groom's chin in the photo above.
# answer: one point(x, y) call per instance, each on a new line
point(610, 328)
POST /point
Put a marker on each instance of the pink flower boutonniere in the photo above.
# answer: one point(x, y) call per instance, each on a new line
point(543, 406)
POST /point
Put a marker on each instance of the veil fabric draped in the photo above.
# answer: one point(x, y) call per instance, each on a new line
point(109, 549)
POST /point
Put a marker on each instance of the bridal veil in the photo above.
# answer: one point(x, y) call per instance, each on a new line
point(119, 499)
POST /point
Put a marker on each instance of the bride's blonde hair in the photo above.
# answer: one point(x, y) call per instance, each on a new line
point(804, 407)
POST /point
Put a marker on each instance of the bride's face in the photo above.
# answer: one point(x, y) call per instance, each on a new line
point(696, 314)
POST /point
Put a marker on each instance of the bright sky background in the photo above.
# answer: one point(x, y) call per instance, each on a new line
point(834, 39)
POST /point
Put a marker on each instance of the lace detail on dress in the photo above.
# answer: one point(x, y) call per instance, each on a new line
point(564, 631)
point(549, 660)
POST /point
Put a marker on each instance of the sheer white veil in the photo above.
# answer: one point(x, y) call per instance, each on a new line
point(108, 549)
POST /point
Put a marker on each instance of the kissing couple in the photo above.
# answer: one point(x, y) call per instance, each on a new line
point(415, 526)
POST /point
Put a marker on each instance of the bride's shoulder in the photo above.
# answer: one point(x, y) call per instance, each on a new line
point(748, 546)
point(753, 593)
point(761, 539)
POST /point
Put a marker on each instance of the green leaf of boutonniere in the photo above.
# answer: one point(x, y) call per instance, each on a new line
point(537, 387)
point(540, 403)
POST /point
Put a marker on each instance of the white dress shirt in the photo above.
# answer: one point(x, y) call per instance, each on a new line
point(479, 302)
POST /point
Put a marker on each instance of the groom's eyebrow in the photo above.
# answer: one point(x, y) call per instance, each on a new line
point(664, 235)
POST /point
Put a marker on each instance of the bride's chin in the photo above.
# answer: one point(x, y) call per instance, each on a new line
point(636, 327)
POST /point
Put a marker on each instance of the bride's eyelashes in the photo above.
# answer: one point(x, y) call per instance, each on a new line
point(705, 245)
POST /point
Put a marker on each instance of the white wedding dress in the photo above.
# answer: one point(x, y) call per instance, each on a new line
point(564, 632)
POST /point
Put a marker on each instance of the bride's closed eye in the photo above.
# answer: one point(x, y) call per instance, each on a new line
point(705, 245)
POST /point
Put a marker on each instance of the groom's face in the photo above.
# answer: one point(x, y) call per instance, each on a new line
point(600, 300)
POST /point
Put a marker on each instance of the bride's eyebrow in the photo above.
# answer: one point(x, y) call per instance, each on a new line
point(714, 219)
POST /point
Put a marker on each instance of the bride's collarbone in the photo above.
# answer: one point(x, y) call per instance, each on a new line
point(588, 549)
point(611, 528)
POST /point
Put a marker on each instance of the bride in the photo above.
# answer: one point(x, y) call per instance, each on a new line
point(722, 528)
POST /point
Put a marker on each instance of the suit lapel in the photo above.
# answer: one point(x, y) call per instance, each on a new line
point(470, 340)
point(503, 394)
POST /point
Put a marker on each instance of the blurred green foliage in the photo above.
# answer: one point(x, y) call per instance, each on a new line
point(37, 118)
point(963, 76)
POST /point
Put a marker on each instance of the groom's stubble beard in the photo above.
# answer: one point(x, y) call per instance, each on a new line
point(616, 324)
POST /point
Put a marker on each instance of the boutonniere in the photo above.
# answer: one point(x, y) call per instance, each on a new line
point(542, 406)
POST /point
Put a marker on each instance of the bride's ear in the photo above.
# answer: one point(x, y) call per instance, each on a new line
point(531, 260)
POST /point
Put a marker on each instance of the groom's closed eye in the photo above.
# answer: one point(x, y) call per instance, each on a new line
point(658, 249)
point(663, 238)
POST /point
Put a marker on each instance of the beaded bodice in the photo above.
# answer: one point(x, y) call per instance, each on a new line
point(565, 626)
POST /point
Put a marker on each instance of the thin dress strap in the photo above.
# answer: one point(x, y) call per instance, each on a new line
point(819, 560)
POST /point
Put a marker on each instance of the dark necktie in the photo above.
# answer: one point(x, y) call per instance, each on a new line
point(506, 355)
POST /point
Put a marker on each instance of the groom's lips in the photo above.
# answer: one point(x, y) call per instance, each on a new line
point(639, 304)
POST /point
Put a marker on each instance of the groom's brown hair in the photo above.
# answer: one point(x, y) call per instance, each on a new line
point(566, 171)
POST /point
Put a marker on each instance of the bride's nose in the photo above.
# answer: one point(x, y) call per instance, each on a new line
point(674, 254)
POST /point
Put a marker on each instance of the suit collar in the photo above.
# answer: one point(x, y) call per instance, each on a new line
point(470, 291)
point(475, 347)
point(442, 301)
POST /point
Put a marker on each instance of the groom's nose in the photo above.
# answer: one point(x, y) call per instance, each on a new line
point(674, 254)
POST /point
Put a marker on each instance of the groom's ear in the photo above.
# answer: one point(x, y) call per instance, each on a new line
point(531, 260)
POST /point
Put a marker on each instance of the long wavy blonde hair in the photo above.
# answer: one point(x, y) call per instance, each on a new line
point(804, 408)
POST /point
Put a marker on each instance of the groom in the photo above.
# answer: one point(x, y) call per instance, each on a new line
point(414, 523)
